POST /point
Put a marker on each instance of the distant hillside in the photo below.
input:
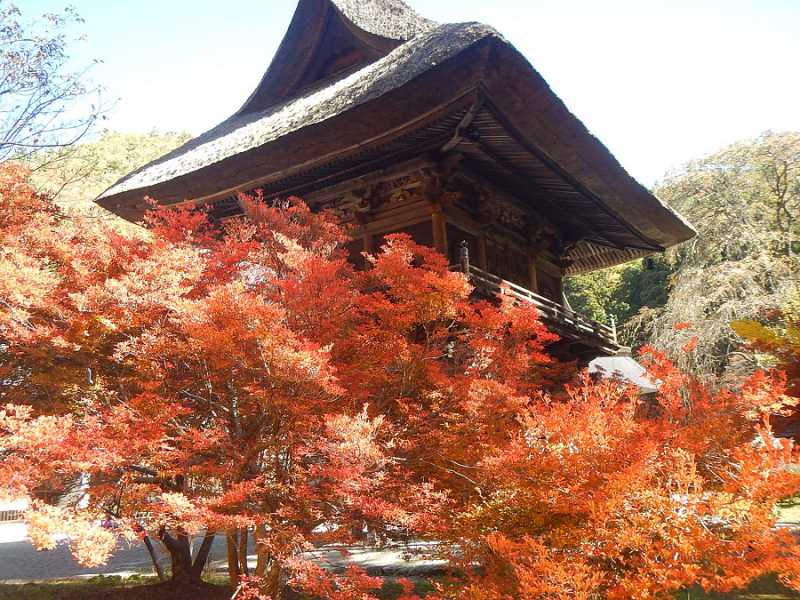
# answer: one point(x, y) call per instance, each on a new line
point(75, 176)
point(745, 203)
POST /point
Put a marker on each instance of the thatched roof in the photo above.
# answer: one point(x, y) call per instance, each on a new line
point(247, 130)
point(356, 83)
point(391, 19)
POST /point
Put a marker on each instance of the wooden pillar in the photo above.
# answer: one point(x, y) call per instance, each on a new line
point(532, 275)
point(463, 257)
point(439, 229)
point(369, 242)
point(482, 255)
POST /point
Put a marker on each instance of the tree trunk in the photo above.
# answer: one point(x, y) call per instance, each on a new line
point(180, 556)
point(182, 568)
point(274, 584)
point(233, 557)
point(202, 554)
point(261, 552)
point(152, 552)
point(185, 572)
point(268, 567)
point(243, 536)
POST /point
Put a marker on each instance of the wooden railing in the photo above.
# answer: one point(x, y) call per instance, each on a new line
point(550, 310)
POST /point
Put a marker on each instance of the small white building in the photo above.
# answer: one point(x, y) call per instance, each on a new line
point(625, 369)
point(12, 524)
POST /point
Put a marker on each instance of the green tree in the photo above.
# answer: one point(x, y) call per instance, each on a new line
point(745, 203)
point(645, 284)
point(620, 292)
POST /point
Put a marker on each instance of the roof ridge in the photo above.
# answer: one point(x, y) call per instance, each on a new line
point(393, 19)
point(374, 26)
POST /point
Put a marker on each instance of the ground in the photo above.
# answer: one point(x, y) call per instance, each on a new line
point(109, 588)
point(765, 589)
point(144, 588)
point(21, 563)
point(790, 512)
point(22, 570)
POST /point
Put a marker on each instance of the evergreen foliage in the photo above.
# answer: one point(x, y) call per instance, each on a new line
point(744, 201)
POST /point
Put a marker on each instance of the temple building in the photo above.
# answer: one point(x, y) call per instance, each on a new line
point(443, 131)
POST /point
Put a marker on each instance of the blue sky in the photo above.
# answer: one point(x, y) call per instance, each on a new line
point(658, 81)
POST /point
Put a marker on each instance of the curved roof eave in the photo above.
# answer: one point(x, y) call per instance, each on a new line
point(246, 131)
point(419, 47)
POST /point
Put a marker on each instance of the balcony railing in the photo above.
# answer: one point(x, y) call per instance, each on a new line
point(564, 320)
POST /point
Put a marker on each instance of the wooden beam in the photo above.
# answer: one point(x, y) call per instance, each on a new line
point(439, 229)
point(328, 193)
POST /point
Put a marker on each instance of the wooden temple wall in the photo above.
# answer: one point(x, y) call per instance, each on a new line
point(441, 211)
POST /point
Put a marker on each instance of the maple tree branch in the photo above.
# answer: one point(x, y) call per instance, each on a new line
point(143, 470)
point(173, 543)
point(452, 471)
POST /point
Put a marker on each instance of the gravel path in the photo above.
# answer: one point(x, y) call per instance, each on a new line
point(20, 562)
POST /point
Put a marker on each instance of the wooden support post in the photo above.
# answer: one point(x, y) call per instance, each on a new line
point(532, 275)
point(483, 259)
point(463, 256)
point(369, 243)
point(564, 300)
point(439, 229)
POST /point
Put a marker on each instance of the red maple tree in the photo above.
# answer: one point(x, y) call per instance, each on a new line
point(244, 379)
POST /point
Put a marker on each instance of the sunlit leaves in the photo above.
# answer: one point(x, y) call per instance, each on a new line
point(245, 378)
